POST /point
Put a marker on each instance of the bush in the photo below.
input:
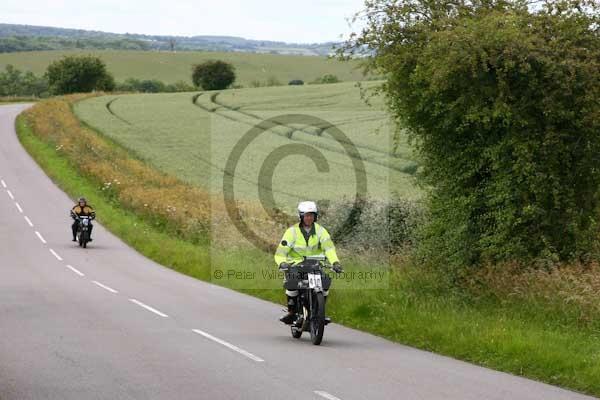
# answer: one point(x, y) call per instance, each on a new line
point(255, 83)
point(389, 227)
point(502, 102)
point(14, 82)
point(213, 75)
point(296, 82)
point(79, 74)
point(327, 78)
point(273, 81)
point(153, 86)
point(179, 86)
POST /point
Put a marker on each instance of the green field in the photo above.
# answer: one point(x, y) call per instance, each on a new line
point(171, 67)
point(191, 135)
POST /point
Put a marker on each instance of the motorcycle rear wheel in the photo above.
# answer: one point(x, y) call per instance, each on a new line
point(83, 239)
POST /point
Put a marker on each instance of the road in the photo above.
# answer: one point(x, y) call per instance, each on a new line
point(107, 323)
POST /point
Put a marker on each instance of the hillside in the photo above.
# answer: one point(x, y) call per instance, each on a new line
point(15, 38)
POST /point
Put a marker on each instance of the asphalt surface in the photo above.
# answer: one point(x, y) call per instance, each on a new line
point(107, 323)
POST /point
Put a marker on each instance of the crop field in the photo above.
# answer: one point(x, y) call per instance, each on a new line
point(193, 135)
point(204, 139)
point(171, 67)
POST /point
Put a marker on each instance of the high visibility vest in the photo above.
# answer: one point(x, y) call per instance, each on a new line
point(293, 247)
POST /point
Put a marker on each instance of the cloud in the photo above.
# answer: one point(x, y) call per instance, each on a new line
point(290, 21)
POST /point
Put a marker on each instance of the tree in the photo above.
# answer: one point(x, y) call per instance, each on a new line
point(213, 75)
point(13, 82)
point(79, 74)
point(502, 100)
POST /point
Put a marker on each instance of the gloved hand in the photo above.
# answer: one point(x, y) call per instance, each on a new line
point(337, 267)
point(284, 266)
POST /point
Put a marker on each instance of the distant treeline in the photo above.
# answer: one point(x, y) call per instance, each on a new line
point(36, 43)
point(30, 38)
point(16, 83)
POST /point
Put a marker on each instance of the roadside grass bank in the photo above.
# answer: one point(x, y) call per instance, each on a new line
point(518, 334)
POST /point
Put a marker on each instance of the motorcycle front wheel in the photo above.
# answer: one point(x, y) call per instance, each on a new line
point(83, 239)
point(317, 320)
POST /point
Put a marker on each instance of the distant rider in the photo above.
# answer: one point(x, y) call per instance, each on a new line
point(81, 209)
point(307, 238)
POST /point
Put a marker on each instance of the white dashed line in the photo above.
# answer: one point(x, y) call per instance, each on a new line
point(3, 183)
point(228, 345)
point(105, 287)
point(326, 395)
point(59, 258)
point(78, 272)
point(147, 307)
point(10, 194)
point(19, 207)
point(28, 220)
point(39, 235)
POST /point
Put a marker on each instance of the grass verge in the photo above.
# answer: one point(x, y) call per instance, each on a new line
point(419, 309)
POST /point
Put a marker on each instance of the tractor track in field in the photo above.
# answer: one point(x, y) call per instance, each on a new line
point(110, 110)
point(208, 162)
point(317, 132)
point(216, 167)
point(220, 169)
point(220, 107)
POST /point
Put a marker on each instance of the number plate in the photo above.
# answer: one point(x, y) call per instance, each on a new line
point(314, 281)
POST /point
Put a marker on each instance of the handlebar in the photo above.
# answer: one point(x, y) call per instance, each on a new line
point(323, 261)
point(80, 217)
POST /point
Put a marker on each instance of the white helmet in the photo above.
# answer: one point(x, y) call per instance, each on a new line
point(307, 207)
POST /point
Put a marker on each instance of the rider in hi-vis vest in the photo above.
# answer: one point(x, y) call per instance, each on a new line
point(307, 238)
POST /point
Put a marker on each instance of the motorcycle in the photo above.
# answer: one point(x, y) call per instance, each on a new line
point(83, 230)
point(309, 278)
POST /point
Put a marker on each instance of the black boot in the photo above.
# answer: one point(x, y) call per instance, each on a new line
point(291, 315)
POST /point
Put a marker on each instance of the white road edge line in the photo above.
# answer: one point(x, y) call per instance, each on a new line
point(59, 258)
point(39, 235)
point(228, 345)
point(105, 287)
point(28, 220)
point(78, 272)
point(3, 183)
point(147, 307)
point(10, 194)
point(19, 207)
point(326, 395)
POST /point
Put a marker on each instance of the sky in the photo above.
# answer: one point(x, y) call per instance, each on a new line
point(304, 21)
